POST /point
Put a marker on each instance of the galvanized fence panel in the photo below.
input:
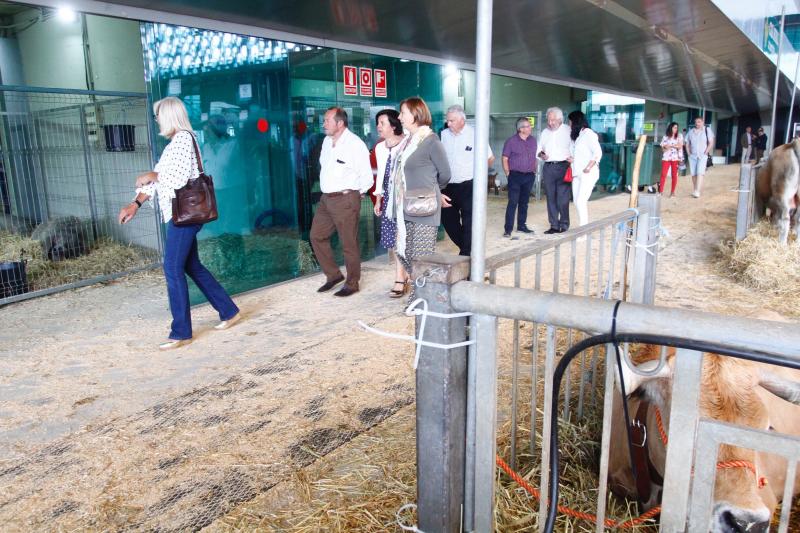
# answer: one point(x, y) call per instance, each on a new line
point(564, 311)
point(747, 210)
point(68, 160)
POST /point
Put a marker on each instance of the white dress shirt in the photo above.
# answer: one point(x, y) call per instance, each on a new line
point(176, 165)
point(555, 144)
point(459, 148)
point(586, 148)
point(345, 166)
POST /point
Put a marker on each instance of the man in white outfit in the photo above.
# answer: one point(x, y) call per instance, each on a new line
point(699, 143)
point(554, 150)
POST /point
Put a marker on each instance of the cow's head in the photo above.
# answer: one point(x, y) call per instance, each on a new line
point(730, 392)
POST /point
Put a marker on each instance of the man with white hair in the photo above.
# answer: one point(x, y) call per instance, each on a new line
point(554, 150)
point(459, 142)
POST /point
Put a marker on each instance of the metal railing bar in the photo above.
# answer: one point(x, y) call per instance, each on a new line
point(515, 373)
point(549, 369)
point(509, 256)
point(55, 90)
point(788, 491)
point(605, 440)
point(564, 310)
point(537, 283)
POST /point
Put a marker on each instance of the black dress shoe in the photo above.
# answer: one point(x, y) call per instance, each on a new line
point(507, 234)
point(525, 229)
point(345, 291)
point(551, 231)
point(330, 284)
point(562, 230)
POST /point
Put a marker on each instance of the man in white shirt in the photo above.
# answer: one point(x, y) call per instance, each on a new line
point(699, 143)
point(554, 150)
point(345, 175)
point(459, 143)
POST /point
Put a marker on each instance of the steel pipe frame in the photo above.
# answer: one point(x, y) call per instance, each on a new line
point(771, 144)
point(594, 315)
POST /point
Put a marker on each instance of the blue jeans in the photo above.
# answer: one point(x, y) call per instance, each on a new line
point(181, 258)
point(519, 193)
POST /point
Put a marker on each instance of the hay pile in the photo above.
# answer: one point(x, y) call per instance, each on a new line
point(761, 263)
point(106, 257)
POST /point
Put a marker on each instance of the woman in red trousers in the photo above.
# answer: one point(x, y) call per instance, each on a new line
point(672, 146)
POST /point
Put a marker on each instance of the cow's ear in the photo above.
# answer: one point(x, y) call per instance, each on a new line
point(781, 387)
point(647, 371)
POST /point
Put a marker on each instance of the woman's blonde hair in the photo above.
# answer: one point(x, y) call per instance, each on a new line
point(171, 116)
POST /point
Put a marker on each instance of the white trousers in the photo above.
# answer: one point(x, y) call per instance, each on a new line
point(582, 186)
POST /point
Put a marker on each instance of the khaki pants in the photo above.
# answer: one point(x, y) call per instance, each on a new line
point(338, 213)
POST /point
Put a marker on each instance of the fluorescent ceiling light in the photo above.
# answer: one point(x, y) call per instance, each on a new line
point(66, 14)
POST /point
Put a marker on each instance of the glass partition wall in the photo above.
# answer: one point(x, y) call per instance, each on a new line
point(256, 106)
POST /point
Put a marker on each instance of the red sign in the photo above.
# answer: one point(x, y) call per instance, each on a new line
point(380, 83)
point(350, 82)
point(365, 80)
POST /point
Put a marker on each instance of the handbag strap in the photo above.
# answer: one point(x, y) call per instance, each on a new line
point(196, 152)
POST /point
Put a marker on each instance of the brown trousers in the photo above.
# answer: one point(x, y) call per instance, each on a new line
point(339, 214)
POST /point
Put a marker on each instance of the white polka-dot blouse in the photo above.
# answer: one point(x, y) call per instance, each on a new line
point(176, 165)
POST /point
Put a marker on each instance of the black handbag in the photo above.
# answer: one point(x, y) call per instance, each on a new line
point(195, 202)
point(710, 160)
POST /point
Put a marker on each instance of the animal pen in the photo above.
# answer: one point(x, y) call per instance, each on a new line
point(552, 295)
point(68, 163)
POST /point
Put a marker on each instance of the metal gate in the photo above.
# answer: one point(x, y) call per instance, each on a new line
point(68, 161)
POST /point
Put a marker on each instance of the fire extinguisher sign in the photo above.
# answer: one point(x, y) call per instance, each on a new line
point(350, 81)
point(380, 83)
point(365, 75)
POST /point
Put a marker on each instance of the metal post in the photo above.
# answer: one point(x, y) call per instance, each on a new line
point(653, 206)
point(441, 400)
point(483, 65)
point(771, 144)
point(89, 173)
point(742, 209)
point(639, 257)
point(791, 106)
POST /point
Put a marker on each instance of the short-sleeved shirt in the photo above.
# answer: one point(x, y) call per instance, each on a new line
point(459, 148)
point(698, 140)
point(669, 145)
point(521, 153)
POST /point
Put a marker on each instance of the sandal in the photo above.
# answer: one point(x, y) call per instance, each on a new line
point(395, 293)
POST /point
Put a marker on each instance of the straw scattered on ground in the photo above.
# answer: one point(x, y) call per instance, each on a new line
point(760, 262)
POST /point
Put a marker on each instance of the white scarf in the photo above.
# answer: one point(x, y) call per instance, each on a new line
point(397, 194)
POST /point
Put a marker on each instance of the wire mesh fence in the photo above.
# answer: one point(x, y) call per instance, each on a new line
point(68, 160)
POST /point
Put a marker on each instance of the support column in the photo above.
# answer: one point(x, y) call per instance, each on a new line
point(441, 399)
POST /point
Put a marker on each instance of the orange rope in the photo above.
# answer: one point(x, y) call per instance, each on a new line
point(571, 512)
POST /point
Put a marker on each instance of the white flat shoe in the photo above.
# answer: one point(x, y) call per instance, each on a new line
point(225, 324)
point(172, 344)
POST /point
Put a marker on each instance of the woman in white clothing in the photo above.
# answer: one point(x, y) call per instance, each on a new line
point(586, 155)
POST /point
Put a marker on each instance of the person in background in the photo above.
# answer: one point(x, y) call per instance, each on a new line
point(554, 150)
point(586, 155)
point(176, 166)
point(421, 168)
point(672, 151)
point(388, 125)
point(519, 164)
point(699, 143)
point(345, 177)
point(761, 144)
point(746, 143)
point(459, 142)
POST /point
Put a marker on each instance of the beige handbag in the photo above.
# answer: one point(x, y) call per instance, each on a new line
point(420, 203)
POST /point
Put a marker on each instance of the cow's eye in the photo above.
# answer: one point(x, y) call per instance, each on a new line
point(771, 428)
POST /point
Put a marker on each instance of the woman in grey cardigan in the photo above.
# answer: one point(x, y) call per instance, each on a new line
point(421, 171)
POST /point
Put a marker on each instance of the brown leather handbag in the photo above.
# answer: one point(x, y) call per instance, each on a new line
point(195, 202)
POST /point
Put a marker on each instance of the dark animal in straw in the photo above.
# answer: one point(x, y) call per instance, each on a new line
point(778, 188)
point(63, 238)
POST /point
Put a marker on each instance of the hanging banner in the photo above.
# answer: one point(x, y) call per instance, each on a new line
point(380, 83)
point(365, 81)
point(350, 82)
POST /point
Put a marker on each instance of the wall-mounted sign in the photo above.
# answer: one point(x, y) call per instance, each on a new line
point(365, 81)
point(174, 87)
point(350, 81)
point(380, 83)
point(245, 91)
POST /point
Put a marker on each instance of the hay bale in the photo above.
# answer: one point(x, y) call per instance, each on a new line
point(762, 263)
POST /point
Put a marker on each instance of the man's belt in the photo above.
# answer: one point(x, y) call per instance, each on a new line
point(555, 162)
point(341, 193)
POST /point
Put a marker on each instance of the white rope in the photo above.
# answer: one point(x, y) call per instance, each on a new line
point(645, 247)
point(399, 520)
point(740, 190)
point(412, 310)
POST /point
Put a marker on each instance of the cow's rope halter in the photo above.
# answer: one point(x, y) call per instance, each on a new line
point(721, 465)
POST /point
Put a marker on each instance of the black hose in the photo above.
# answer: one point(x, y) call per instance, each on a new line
point(614, 338)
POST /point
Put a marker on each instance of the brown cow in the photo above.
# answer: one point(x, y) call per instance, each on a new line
point(733, 391)
point(778, 188)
